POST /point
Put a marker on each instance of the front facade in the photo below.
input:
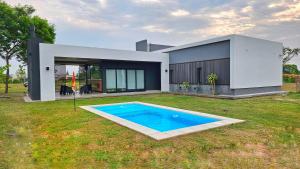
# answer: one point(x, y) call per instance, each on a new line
point(244, 65)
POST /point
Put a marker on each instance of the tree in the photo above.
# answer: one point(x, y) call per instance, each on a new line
point(289, 53)
point(21, 74)
point(290, 69)
point(14, 32)
point(212, 79)
point(2, 70)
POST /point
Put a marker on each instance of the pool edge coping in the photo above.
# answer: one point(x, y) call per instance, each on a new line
point(157, 135)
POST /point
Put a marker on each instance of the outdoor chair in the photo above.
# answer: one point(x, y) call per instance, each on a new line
point(65, 90)
point(86, 89)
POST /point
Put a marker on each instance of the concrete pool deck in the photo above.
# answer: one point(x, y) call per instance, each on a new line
point(94, 95)
point(157, 135)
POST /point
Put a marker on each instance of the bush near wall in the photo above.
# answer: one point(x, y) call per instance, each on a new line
point(290, 78)
point(290, 69)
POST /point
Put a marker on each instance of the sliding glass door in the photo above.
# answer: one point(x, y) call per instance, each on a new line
point(95, 78)
point(111, 80)
point(131, 80)
point(121, 80)
point(140, 81)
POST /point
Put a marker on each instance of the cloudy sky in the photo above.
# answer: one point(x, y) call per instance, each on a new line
point(120, 23)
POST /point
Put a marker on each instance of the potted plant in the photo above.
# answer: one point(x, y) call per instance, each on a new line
point(212, 78)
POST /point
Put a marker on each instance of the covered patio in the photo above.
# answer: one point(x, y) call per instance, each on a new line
point(99, 77)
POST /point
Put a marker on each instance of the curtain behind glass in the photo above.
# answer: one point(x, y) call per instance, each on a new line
point(121, 80)
point(131, 84)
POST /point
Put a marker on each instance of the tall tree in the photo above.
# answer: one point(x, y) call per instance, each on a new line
point(289, 53)
point(14, 32)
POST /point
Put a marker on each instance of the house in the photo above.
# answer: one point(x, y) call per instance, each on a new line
point(244, 66)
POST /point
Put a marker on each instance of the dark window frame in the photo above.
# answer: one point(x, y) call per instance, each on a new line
point(199, 76)
point(171, 76)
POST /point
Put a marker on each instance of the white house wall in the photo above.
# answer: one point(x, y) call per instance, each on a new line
point(255, 63)
point(49, 51)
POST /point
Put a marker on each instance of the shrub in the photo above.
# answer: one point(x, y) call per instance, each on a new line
point(290, 69)
point(185, 86)
point(212, 78)
point(289, 78)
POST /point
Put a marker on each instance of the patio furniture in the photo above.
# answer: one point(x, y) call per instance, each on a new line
point(86, 89)
point(65, 90)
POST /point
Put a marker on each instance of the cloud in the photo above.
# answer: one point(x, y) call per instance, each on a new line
point(147, 1)
point(103, 3)
point(156, 28)
point(225, 22)
point(277, 4)
point(119, 23)
point(247, 9)
point(291, 12)
point(180, 12)
point(173, 19)
point(89, 24)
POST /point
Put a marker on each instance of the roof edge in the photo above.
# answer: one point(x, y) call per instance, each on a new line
point(208, 41)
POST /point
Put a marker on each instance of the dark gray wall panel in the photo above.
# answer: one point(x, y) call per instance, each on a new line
point(141, 46)
point(33, 67)
point(211, 51)
point(154, 47)
point(188, 71)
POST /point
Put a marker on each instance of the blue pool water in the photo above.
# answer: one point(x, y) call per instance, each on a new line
point(161, 119)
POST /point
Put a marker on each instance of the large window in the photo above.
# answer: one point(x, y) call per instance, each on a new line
point(96, 78)
point(140, 79)
point(121, 80)
point(131, 80)
point(110, 80)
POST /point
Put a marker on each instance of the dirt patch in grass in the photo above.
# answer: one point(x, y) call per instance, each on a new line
point(255, 150)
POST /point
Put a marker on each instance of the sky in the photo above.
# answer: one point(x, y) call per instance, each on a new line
point(120, 23)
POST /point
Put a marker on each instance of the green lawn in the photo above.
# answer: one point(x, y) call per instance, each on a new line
point(52, 135)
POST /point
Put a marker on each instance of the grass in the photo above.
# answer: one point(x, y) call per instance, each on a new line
point(52, 135)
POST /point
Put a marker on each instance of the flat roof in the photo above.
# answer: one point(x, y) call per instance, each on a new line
point(205, 42)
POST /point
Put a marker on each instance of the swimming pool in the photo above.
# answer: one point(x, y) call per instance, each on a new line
point(159, 122)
